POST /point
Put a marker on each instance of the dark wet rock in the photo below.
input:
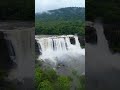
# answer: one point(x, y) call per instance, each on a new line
point(112, 33)
point(5, 61)
point(21, 37)
point(37, 49)
point(72, 40)
point(81, 40)
point(90, 35)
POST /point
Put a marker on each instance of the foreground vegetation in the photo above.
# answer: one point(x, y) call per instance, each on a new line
point(48, 79)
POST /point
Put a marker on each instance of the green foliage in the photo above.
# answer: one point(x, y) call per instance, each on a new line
point(49, 80)
point(69, 20)
point(63, 83)
point(82, 83)
point(38, 76)
point(60, 27)
point(45, 85)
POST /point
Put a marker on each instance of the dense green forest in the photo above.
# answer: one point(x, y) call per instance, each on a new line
point(70, 20)
point(17, 9)
point(60, 27)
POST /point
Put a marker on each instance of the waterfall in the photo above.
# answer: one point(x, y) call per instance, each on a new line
point(57, 49)
point(58, 44)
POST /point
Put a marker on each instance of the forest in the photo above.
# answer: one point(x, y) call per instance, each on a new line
point(60, 27)
point(69, 20)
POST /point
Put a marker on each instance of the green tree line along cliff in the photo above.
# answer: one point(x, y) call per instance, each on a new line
point(60, 27)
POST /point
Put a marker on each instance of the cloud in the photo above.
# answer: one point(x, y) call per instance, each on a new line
point(44, 5)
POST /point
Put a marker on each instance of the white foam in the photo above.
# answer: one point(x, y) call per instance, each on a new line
point(58, 49)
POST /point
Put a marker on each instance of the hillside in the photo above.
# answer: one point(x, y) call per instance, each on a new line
point(68, 20)
point(69, 13)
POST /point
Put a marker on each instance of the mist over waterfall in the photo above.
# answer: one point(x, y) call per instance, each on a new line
point(65, 49)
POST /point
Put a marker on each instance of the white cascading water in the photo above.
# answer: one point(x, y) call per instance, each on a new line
point(58, 49)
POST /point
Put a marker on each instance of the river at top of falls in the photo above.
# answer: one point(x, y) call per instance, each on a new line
point(59, 49)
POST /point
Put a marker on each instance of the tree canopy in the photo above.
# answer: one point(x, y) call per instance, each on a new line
point(69, 20)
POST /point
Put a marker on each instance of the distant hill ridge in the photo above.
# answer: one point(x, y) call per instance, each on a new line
point(68, 13)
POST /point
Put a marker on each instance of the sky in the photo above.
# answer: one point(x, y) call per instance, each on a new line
point(44, 5)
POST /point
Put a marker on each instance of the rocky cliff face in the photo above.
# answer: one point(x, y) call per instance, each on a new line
point(81, 40)
point(112, 33)
point(90, 35)
point(21, 37)
point(5, 60)
point(37, 52)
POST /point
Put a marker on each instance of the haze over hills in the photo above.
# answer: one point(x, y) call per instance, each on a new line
point(67, 14)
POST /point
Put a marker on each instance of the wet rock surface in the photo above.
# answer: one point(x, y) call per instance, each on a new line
point(37, 48)
point(5, 60)
point(72, 40)
point(21, 36)
point(81, 40)
point(102, 67)
point(90, 35)
point(112, 33)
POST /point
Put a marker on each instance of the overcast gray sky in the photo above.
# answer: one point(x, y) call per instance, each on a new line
point(44, 5)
